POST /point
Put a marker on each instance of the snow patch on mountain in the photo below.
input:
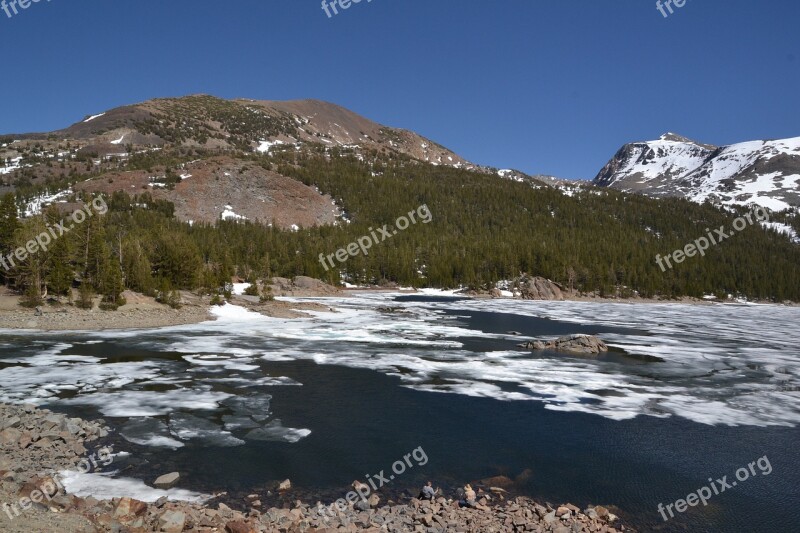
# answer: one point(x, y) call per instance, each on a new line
point(94, 117)
point(265, 146)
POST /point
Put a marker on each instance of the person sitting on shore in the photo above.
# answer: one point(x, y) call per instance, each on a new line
point(469, 497)
point(427, 492)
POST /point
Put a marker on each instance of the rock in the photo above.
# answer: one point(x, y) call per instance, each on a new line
point(601, 511)
point(285, 485)
point(563, 511)
point(10, 436)
point(539, 288)
point(239, 526)
point(77, 448)
point(25, 440)
point(12, 422)
point(361, 505)
point(73, 428)
point(302, 285)
point(578, 344)
point(360, 487)
point(172, 521)
point(56, 421)
point(167, 481)
point(128, 507)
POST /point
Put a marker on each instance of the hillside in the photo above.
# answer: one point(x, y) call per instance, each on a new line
point(149, 146)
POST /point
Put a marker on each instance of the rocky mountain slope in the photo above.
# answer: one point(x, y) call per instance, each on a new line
point(205, 155)
point(101, 146)
point(247, 125)
point(765, 173)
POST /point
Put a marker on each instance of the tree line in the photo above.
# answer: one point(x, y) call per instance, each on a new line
point(484, 230)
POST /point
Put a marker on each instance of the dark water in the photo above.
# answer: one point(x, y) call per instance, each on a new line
point(362, 421)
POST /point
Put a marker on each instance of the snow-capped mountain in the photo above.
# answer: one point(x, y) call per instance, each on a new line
point(765, 173)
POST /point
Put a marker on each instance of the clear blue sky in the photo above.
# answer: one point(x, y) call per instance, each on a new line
point(545, 86)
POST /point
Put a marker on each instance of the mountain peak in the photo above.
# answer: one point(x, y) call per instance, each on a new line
point(755, 172)
point(674, 137)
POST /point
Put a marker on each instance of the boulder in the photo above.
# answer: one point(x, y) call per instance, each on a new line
point(10, 436)
point(172, 521)
point(361, 505)
point(167, 481)
point(12, 422)
point(285, 485)
point(300, 286)
point(128, 507)
point(579, 344)
point(540, 289)
point(239, 526)
point(601, 511)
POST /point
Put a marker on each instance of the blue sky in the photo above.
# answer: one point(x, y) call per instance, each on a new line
point(545, 86)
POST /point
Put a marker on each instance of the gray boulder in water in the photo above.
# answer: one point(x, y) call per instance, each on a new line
point(579, 344)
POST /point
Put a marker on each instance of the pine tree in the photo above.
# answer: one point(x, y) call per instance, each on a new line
point(9, 224)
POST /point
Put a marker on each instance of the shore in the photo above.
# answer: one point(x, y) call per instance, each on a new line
point(143, 312)
point(39, 446)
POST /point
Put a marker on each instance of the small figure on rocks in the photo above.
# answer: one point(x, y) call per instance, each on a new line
point(427, 492)
point(469, 497)
point(38, 312)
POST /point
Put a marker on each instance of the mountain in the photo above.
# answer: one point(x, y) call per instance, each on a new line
point(188, 151)
point(248, 125)
point(765, 173)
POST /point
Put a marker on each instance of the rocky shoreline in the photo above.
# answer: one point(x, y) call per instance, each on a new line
point(36, 444)
point(143, 312)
